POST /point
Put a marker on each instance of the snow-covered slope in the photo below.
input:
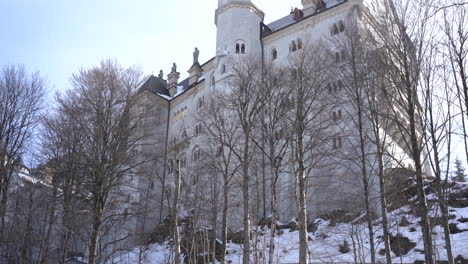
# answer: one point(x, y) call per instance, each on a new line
point(329, 236)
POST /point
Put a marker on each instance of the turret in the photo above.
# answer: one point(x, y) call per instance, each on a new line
point(238, 27)
point(172, 79)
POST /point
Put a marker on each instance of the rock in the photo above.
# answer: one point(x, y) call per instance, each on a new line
point(236, 238)
point(404, 222)
point(455, 230)
point(162, 231)
point(338, 216)
point(401, 245)
point(344, 248)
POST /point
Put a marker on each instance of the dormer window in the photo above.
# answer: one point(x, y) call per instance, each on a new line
point(274, 54)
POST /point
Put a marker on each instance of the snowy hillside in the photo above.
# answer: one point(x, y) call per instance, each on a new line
point(337, 239)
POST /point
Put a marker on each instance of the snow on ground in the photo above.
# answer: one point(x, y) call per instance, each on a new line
point(324, 243)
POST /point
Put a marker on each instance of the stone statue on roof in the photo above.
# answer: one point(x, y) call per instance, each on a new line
point(174, 67)
point(196, 53)
point(161, 74)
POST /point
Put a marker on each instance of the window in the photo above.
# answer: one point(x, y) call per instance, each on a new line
point(223, 69)
point(213, 80)
point(196, 154)
point(343, 55)
point(240, 48)
point(337, 115)
point(335, 30)
point(339, 85)
point(201, 102)
point(198, 129)
point(183, 161)
point(170, 167)
point(274, 54)
point(184, 135)
point(341, 26)
point(337, 142)
point(219, 152)
point(337, 57)
point(299, 44)
point(292, 47)
point(294, 74)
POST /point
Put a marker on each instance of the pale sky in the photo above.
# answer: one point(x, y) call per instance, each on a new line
point(57, 37)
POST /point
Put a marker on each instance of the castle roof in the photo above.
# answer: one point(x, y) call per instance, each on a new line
point(155, 85)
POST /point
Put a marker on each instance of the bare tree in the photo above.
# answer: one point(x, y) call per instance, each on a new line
point(21, 100)
point(274, 142)
point(307, 79)
point(402, 35)
point(244, 102)
point(353, 69)
point(100, 106)
point(221, 136)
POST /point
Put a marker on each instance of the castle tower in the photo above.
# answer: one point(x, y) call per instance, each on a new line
point(238, 31)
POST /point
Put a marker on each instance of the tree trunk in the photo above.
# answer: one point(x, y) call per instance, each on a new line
point(224, 222)
point(245, 190)
point(440, 194)
point(177, 253)
point(93, 248)
point(273, 212)
point(416, 154)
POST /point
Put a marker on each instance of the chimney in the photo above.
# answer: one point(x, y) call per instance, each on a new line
point(173, 79)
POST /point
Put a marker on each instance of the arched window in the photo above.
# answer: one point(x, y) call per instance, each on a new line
point(329, 88)
point(337, 57)
point(294, 74)
point(339, 85)
point(292, 46)
point(334, 116)
point(184, 135)
point(219, 152)
point(198, 129)
point(337, 142)
point(274, 54)
point(196, 154)
point(299, 44)
point(170, 167)
point(201, 102)
point(237, 48)
point(343, 55)
point(339, 115)
point(242, 48)
point(183, 161)
point(213, 81)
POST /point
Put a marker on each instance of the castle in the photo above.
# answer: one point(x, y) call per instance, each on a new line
point(172, 104)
